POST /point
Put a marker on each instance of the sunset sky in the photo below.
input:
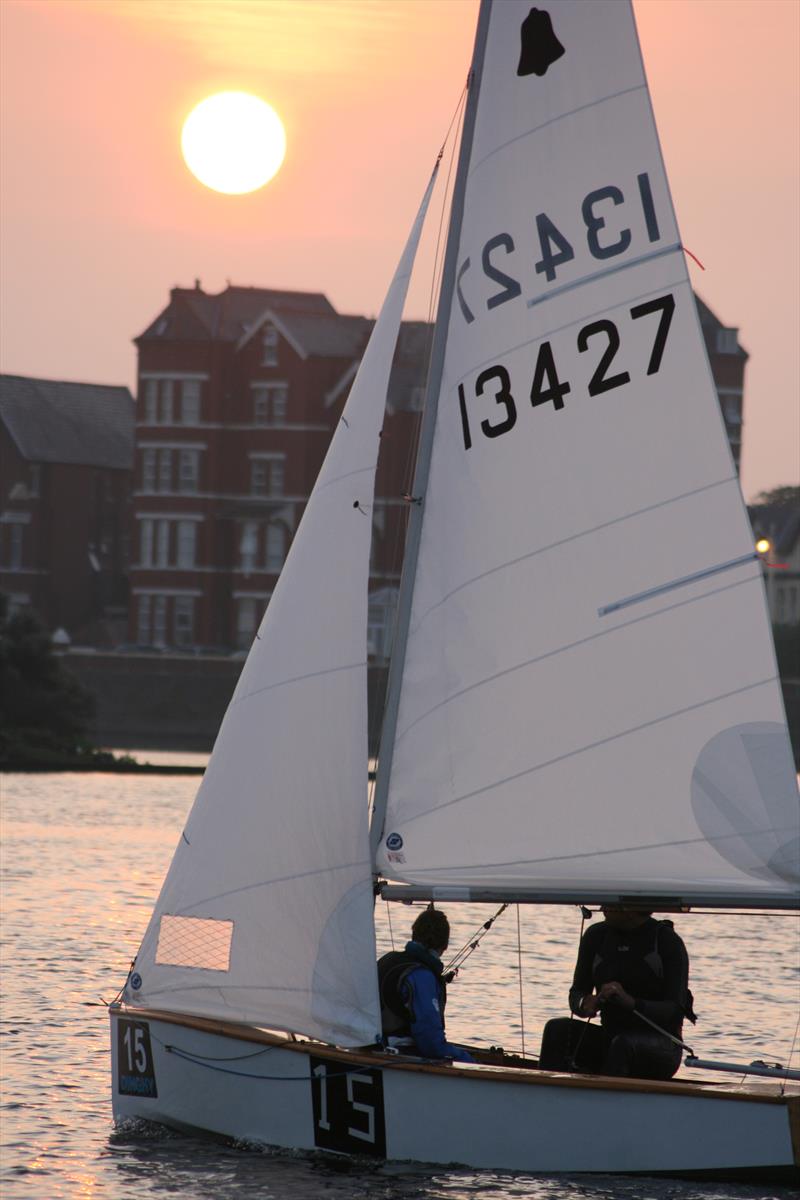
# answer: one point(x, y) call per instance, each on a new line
point(100, 216)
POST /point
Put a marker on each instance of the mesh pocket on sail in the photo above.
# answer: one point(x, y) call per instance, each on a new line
point(194, 942)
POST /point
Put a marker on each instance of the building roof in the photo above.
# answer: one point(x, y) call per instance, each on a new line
point(53, 421)
point(195, 315)
point(321, 335)
point(711, 324)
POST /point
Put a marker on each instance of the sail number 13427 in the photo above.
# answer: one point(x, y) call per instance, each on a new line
point(602, 337)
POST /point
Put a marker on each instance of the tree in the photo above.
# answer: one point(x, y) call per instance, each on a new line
point(44, 711)
point(779, 497)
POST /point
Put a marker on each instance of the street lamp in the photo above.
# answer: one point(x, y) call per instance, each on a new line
point(763, 547)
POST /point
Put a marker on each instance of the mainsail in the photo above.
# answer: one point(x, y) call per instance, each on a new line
point(588, 704)
point(266, 913)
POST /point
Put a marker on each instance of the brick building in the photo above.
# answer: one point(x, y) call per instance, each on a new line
point(238, 395)
point(728, 360)
point(66, 452)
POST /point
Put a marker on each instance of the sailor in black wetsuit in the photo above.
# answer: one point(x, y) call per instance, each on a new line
point(628, 964)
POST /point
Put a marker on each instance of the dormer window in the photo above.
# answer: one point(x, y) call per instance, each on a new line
point(727, 341)
point(269, 346)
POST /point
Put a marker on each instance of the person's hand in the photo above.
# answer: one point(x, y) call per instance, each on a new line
point(589, 1005)
point(616, 992)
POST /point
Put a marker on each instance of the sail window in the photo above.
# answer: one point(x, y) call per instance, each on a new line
point(194, 942)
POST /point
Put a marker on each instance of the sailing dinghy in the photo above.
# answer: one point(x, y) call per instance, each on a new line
point(583, 704)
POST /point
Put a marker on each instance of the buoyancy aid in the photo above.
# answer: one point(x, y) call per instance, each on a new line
point(635, 958)
point(393, 970)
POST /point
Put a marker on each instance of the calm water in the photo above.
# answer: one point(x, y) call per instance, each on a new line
point(82, 861)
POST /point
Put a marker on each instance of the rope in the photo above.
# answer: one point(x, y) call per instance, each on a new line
point(658, 1029)
point(209, 1065)
point(391, 931)
point(471, 944)
point(521, 1006)
point(586, 915)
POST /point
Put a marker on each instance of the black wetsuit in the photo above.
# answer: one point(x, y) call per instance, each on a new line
point(651, 964)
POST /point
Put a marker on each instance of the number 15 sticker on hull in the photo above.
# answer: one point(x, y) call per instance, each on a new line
point(136, 1072)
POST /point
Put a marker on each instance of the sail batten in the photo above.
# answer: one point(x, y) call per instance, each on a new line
point(588, 660)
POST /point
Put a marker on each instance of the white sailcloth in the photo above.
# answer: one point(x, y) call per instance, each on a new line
point(266, 913)
point(589, 699)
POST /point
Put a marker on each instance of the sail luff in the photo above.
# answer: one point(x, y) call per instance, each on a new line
point(389, 726)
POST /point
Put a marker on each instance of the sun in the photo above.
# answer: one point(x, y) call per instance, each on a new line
point(233, 142)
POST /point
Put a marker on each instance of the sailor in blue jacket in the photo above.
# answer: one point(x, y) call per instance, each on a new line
point(413, 992)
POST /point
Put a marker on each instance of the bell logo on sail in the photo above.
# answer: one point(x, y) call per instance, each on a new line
point(540, 46)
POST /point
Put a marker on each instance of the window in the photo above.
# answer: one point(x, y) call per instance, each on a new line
point(188, 470)
point(732, 409)
point(190, 401)
point(148, 470)
point(276, 538)
point(35, 479)
point(248, 546)
point(162, 544)
point(183, 620)
point(727, 341)
point(279, 396)
point(269, 404)
point(266, 476)
point(17, 532)
point(143, 621)
point(417, 397)
point(261, 406)
point(246, 618)
point(187, 541)
point(146, 544)
point(269, 346)
point(276, 476)
point(166, 401)
point(159, 620)
point(258, 477)
point(379, 622)
point(151, 401)
point(165, 470)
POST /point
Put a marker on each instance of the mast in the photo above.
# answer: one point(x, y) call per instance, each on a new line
point(426, 436)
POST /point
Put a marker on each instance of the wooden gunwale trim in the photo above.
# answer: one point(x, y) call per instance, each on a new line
point(605, 1083)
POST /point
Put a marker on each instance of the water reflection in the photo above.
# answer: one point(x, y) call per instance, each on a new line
point(83, 857)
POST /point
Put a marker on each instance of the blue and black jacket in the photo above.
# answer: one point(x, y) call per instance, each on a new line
point(413, 997)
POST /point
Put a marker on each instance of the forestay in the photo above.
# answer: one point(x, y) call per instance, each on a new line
point(266, 913)
point(589, 702)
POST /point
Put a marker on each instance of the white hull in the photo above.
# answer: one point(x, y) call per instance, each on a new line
point(254, 1086)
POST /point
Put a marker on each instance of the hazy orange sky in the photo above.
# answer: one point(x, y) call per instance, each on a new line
point(100, 217)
